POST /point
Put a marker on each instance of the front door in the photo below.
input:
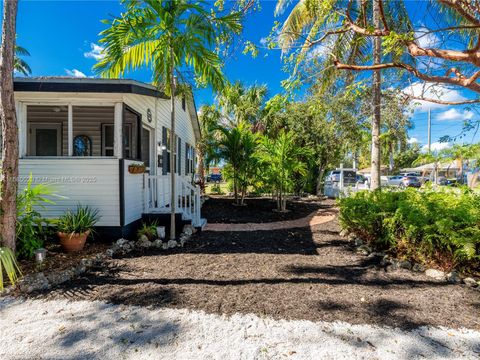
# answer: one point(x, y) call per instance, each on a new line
point(45, 139)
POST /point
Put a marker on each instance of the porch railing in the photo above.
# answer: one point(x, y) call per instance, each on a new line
point(187, 197)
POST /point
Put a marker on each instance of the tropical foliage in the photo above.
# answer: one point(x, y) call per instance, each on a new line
point(8, 263)
point(79, 221)
point(32, 228)
point(407, 223)
point(282, 160)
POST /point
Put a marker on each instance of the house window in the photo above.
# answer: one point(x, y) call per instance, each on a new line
point(108, 137)
point(82, 146)
point(184, 103)
point(189, 159)
point(45, 139)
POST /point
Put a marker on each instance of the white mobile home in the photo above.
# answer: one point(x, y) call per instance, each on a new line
point(83, 135)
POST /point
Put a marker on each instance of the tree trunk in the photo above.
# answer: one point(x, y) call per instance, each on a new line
point(201, 167)
point(235, 186)
point(9, 176)
point(376, 120)
point(172, 147)
point(321, 172)
point(391, 163)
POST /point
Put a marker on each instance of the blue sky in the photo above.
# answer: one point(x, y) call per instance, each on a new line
point(62, 37)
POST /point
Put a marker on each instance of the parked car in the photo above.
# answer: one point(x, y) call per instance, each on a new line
point(410, 181)
point(349, 177)
point(216, 178)
point(395, 180)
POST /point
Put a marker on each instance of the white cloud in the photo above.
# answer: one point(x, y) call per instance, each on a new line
point(426, 39)
point(96, 52)
point(454, 114)
point(437, 146)
point(435, 92)
point(75, 73)
point(413, 140)
point(263, 41)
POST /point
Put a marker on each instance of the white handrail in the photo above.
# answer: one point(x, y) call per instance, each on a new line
point(187, 197)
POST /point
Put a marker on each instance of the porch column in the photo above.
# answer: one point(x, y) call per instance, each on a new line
point(70, 130)
point(118, 131)
point(22, 129)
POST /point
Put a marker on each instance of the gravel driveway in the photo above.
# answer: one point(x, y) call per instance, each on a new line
point(59, 329)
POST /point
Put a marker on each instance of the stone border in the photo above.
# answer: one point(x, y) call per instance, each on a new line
point(390, 264)
point(40, 281)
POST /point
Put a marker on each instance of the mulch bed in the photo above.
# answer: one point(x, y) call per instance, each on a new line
point(305, 273)
point(257, 210)
point(58, 260)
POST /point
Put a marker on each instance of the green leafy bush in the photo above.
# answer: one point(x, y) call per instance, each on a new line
point(32, 229)
point(149, 230)
point(80, 221)
point(9, 264)
point(439, 226)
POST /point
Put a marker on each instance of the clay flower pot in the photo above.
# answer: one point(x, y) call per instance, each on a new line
point(74, 241)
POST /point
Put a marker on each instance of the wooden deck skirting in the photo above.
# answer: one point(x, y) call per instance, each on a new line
point(313, 219)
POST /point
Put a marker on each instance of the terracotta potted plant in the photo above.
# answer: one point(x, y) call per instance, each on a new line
point(74, 227)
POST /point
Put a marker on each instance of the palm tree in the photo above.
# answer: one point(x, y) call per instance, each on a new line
point(242, 104)
point(283, 159)
point(21, 65)
point(9, 171)
point(209, 118)
point(237, 146)
point(168, 36)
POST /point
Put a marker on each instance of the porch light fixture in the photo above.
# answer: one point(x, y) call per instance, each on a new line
point(163, 147)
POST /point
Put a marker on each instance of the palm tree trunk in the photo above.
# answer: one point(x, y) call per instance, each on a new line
point(391, 163)
point(172, 147)
point(9, 175)
point(235, 186)
point(321, 172)
point(376, 120)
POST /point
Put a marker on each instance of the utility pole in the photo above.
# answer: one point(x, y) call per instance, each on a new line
point(429, 130)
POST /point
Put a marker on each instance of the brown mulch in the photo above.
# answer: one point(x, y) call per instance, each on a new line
point(257, 210)
point(58, 260)
point(305, 273)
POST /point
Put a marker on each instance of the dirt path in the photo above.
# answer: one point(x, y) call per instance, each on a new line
point(315, 218)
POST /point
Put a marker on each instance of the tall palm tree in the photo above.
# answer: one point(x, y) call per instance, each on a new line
point(242, 104)
point(9, 171)
point(169, 37)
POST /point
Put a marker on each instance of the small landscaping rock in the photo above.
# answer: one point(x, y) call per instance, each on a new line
point(404, 264)
point(165, 246)
point(386, 261)
point(188, 230)
point(454, 278)
point(418, 267)
point(344, 233)
point(435, 274)
point(358, 242)
point(157, 243)
point(470, 282)
point(122, 242)
point(34, 282)
point(143, 242)
point(171, 244)
point(364, 249)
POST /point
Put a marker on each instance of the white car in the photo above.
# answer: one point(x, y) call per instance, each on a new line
point(395, 180)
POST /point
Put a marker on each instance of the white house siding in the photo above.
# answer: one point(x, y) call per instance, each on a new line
point(133, 194)
point(85, 181)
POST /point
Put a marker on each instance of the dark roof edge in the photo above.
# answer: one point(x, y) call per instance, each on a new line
point(82, 85)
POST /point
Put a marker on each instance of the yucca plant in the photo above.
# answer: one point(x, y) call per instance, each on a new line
point(80, 221)
point(9, 264)
point(75, 227)
point(149, 230)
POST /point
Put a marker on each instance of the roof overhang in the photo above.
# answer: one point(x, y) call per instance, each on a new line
point(86, 85)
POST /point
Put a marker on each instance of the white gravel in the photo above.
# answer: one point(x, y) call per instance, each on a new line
point(35, 329)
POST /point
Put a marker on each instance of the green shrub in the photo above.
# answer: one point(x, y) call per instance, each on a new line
point(430, 225)
point(149, 230)
point(31, 228)
point(80, 221)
